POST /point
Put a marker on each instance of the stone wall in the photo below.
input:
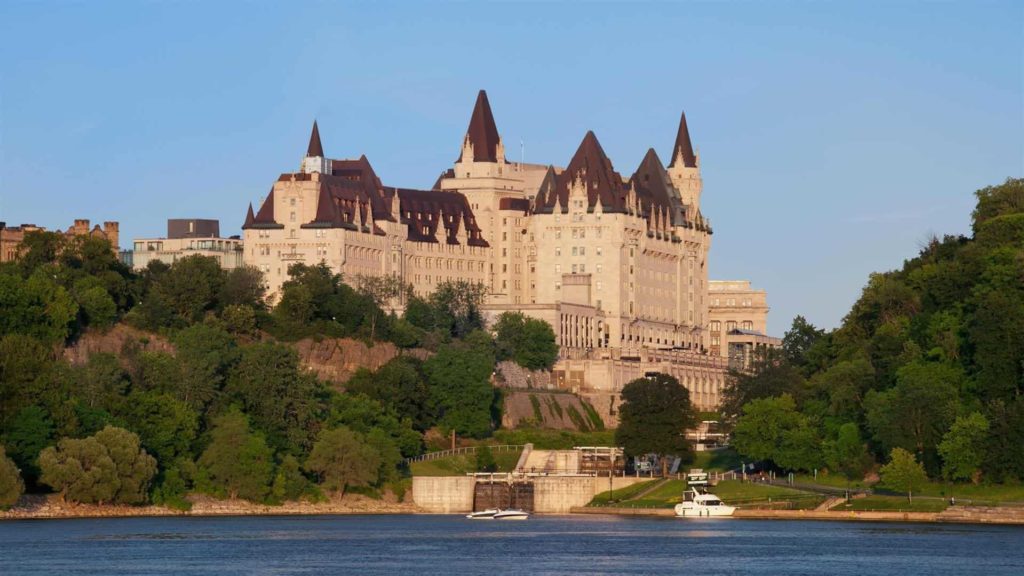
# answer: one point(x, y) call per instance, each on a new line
point(551, 494)
point(444, 494)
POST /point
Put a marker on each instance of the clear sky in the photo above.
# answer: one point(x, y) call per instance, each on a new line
point(834, 138)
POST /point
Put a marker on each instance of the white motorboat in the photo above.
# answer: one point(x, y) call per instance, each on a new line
point(483, 514)
point(698, 505)
point(511, 515)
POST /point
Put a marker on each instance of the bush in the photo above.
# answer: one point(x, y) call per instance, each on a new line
point(11, 484)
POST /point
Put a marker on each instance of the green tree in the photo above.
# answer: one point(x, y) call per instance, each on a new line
point(962, 448)
point(282, 400)
point(191, 287)
point(903, 472)
point(994, 201)
point(238, 461)
point(109, 466)
point(289, 482)
point(342, 459)
point(799, 448)
point(30, 431)
point(769, 375)
point(11, 484)
point(798, 342)
point(527, 341)
point(460, 380)
point(456, 307)
point(1004, 447)
point(207, 354)
point(98, 307)
point(915, 413)
point(166, 425)
point(761, 428)
point(102, 382)
point(400, 385)
point(24, 363)
point(848, 454)
point(243, 286)
point(240, 320)
point(37, 307)
point(485, 460)
point(653, 418)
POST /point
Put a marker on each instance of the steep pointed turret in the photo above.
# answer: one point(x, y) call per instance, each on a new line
point(250, 218)
point(482, 134)
point(315, 149)
point(683, 150)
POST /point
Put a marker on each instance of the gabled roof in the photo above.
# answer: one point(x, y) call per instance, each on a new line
point(653, 186)
point(482, 132)
point(315, 149)
point(425, 212)
point(362, 172)
point(265, 217)
point(603, 183)
point(683, 148)
point(546, 188)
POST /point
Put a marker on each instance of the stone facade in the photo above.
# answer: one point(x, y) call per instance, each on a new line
point(616, 264)
point(11, 237)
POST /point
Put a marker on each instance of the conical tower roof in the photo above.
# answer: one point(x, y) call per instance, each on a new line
point(482, 132)
point(249, 218)
point(315, 149)
point(683, 148)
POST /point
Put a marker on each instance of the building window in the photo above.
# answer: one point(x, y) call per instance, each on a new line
point(292, 202)
point(558, 285)
point(730, 325)
point(558, 268)
point(748, 325)
point(575, 251)
point(599, 285)
point(573, 268)
point(716, 326)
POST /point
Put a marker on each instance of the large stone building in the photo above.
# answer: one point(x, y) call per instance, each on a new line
point(11, 237)
point(616, 264)
point(188, 237)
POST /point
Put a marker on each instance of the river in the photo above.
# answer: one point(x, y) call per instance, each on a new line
point(541, 545)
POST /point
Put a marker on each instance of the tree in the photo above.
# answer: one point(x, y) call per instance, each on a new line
point(289, 482)
point(485, 460)
point(381, 290)
point(37, 307)
point(134, 467)
point(342, 459)
point(459, 376)
point(191, 287)
point(240, 320)
point(109, 466)
point(798, 342)
point(24, 362)
point(243, 286)
point(653, 418)
point(962, 448)
point(11, 484)
point(761, 428)
point(282, 400)
point(207, 354)
point(400, 385)
point(237, 461)
point(994, 201)
point(527, 341)
point(98, 307)
point(166, 425)
point(847, 454)
point(769, 375)
point(30, 431)
point(903, 472)
point(920, 408)
point(456, 307)
point(799, 448)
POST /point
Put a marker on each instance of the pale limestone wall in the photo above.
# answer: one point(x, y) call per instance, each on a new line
point(444, 494)
point(734, 304)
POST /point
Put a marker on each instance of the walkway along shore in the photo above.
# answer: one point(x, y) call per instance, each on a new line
point(41, 507)
point(953, 514)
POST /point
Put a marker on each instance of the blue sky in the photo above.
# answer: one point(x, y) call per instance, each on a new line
point(835, 138)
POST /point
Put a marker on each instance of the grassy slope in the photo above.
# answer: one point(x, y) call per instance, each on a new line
point(462, 464)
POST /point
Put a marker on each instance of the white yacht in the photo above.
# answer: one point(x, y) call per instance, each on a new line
point(511, 515)
point(698, 505)
point(483, 514)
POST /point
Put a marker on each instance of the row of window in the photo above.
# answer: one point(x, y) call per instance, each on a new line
point(730, 325)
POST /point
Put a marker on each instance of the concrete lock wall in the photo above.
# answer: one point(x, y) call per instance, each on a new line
point(443, 494)
point(551, 494)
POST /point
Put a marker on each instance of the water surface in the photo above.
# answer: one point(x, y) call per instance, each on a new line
point(541, 545)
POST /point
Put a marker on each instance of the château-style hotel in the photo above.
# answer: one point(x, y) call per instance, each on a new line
point(616, 264)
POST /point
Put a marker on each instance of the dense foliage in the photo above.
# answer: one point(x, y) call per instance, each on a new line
point(220, 405)
point(929, 362)
point(653, 418)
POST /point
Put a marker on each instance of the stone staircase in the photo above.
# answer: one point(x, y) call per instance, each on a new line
point(549, 462)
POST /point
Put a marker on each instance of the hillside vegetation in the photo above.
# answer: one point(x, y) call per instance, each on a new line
point(208, 393)
point(929, 362)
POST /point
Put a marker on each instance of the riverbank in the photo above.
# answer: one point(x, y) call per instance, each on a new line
point(50, 506)
point(953, 514)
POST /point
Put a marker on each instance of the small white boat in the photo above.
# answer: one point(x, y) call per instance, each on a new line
point(698, 505)
point(511, 515)
point(483, 514)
